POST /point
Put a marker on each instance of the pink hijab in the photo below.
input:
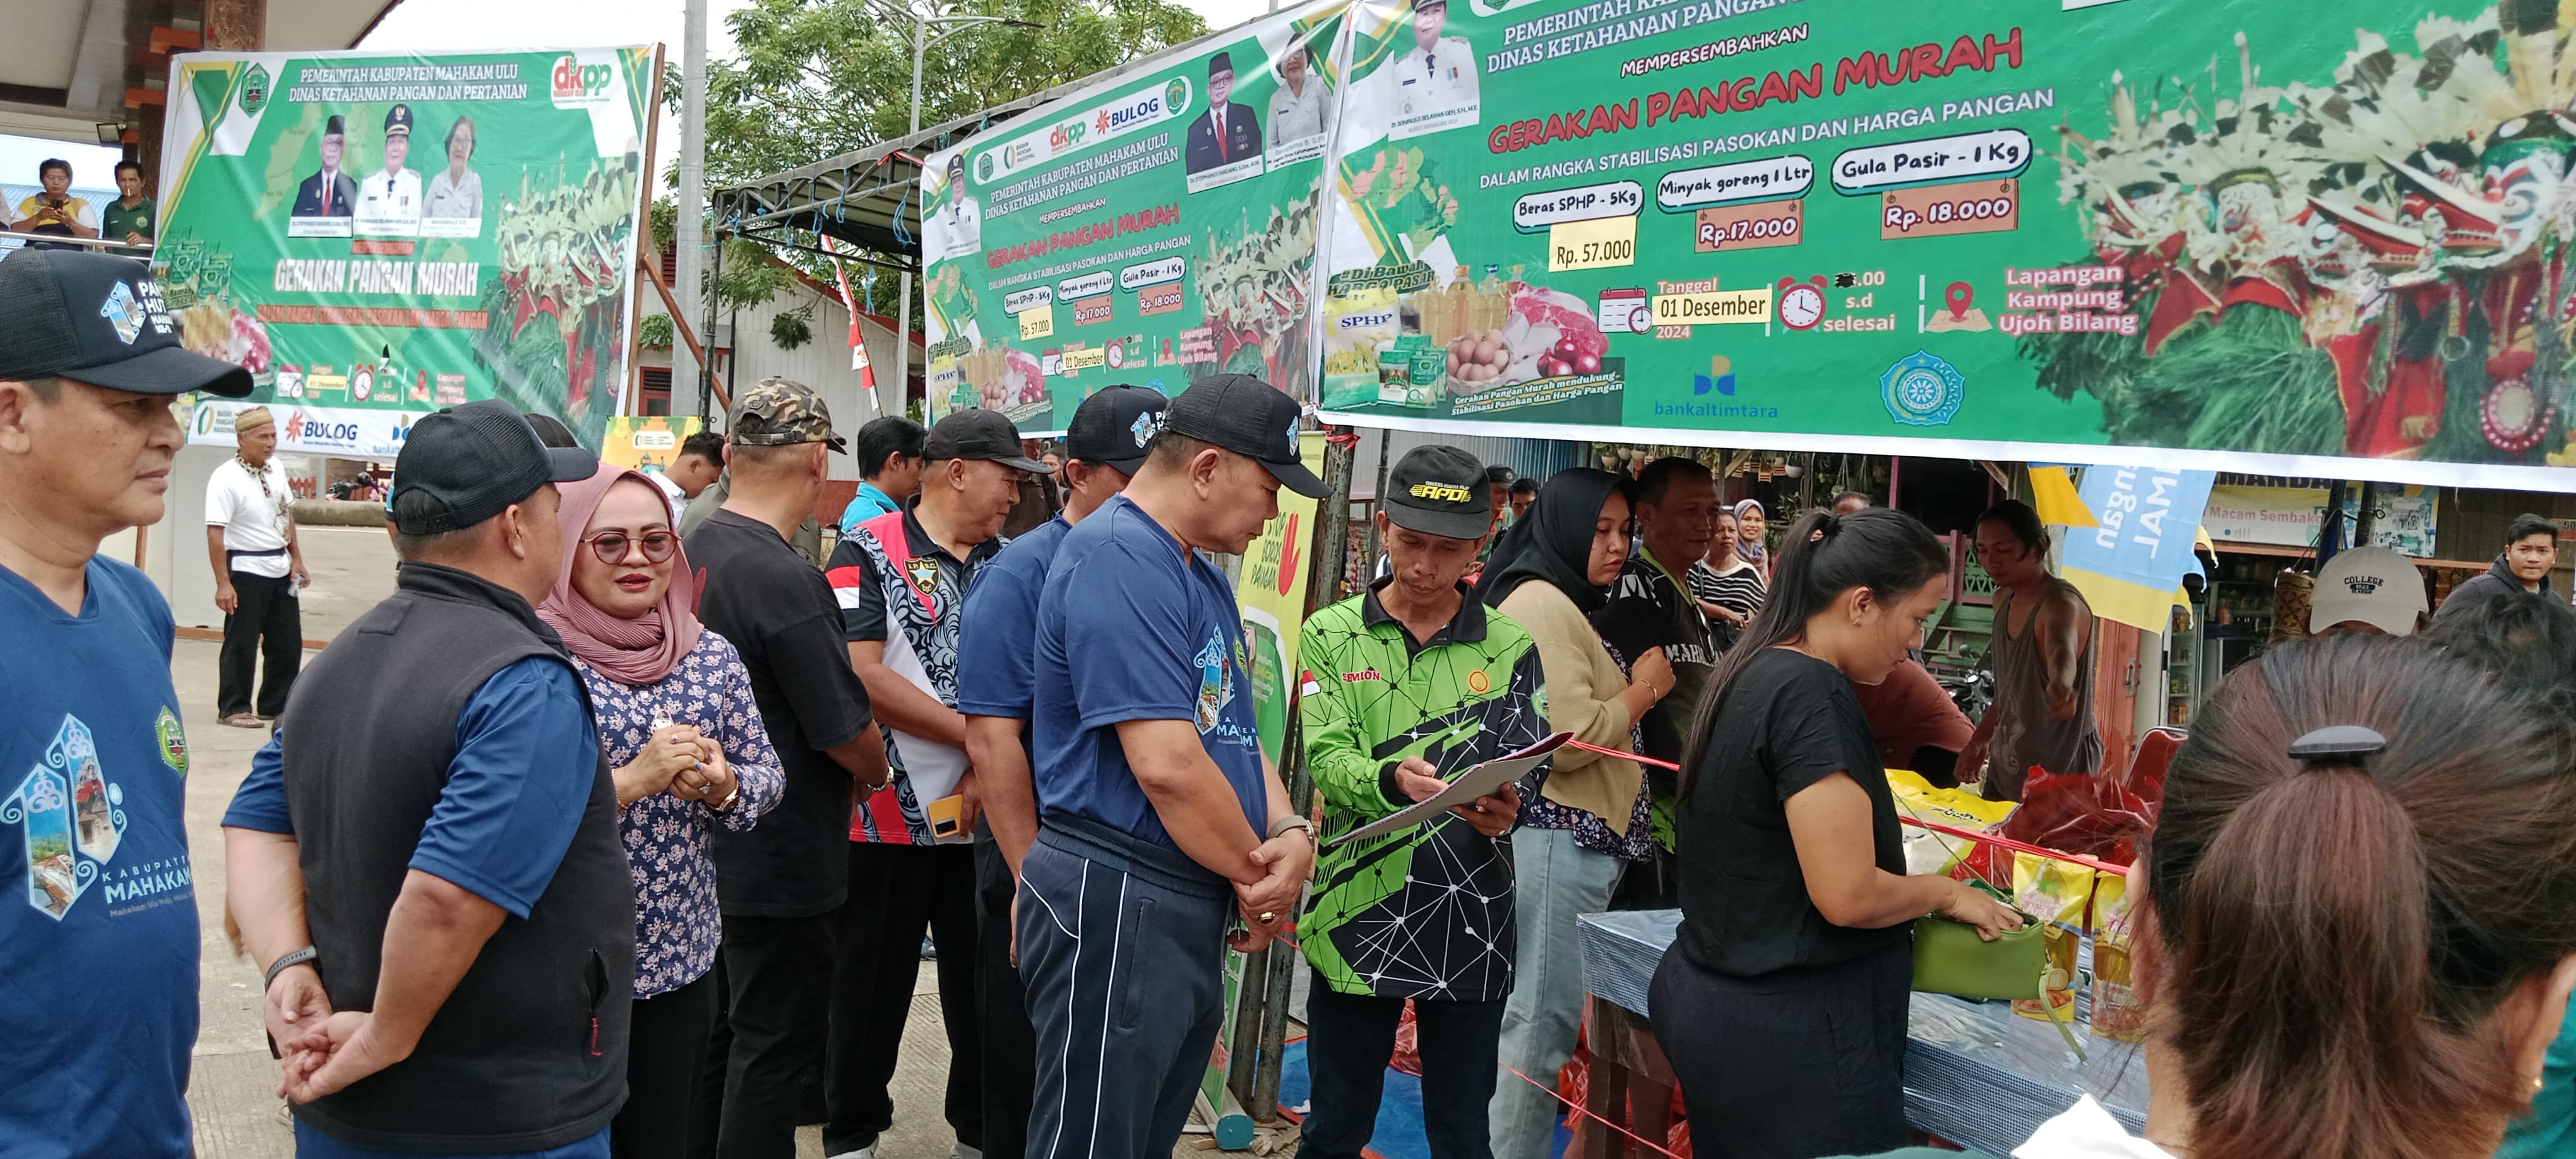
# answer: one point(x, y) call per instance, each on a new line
point(638, 651)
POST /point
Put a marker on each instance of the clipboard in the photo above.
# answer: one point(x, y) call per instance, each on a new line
point(1478, 781)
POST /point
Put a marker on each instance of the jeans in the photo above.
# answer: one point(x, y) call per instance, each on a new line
point(1556, 881)
point(1350, 1038)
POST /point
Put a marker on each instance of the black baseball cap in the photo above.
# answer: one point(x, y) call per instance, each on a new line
point(1249, 417)
point(977, 433)
point(1439, 490)
point(99, 319)
point(1114, 427)
point(465, 464)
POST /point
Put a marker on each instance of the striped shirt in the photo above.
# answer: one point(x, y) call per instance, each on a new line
point(1738, 590)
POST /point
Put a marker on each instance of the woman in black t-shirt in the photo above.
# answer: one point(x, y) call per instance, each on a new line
point(1782, 1003)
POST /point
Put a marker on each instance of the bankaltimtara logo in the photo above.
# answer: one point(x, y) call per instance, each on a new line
point(580, 85)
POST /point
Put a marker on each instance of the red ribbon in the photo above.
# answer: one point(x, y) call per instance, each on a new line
point(1989, 838)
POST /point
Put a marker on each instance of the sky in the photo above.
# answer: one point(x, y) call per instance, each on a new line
point(495, 24)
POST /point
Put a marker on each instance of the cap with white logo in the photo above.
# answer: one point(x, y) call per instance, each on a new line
point(2371, 585)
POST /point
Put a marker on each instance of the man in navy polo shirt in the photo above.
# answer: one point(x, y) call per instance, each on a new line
point(98, 914)
point(996, 654)
point(1160, 818)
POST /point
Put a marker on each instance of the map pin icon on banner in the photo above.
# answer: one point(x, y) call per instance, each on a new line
point(1960, 297)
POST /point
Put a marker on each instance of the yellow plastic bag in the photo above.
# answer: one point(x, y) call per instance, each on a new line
point(1929, 852)
point(2117, 1014)
point(2057, 893)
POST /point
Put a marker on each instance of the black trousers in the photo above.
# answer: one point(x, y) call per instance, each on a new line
point(1792, 1065)
point(266, 625)
point(1351, 1037)
point(896, 892)
point(776, 979)
point(1010, 1043)
point(666, 1051)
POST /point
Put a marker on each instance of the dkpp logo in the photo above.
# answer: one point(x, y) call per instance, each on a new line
point(579, 85)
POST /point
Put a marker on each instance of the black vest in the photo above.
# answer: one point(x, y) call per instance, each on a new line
point(529, 1052)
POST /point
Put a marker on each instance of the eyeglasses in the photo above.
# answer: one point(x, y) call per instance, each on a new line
point(610, 546)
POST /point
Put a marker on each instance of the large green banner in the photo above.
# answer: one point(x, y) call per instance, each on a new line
point(2192, 232)
point(1151, 229)
point(379, 235)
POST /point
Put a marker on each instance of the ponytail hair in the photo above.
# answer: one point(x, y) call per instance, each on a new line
point(2339, 930)
point(1821, 557)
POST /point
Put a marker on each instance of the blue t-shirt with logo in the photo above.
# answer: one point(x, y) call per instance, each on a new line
point(98, 914)
point(1133, 627)
point(996, 633)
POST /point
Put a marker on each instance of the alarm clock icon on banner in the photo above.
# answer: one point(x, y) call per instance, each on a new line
point(1801, 304)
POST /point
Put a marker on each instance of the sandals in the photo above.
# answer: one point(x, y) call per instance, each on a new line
point(245, 720)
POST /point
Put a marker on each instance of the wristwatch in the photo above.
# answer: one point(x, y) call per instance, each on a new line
point(1285, 824)
point(292, 958)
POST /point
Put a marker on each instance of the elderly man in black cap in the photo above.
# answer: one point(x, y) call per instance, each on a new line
point(1160, 819)
point(98, 923)
point(464, 906)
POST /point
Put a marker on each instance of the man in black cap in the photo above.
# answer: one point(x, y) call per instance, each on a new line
point(901, 579)
point(98, 924)
point(1160, 816)
point(996, 652)
point(464, 905)
point(1230, 131)
point(331, 192)
point(1414, 682)
point(779, 884)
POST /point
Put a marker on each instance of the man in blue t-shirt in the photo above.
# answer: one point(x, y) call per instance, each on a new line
point(996, 650)
point(889, 453)
point(98, 914)
point(1160, 817)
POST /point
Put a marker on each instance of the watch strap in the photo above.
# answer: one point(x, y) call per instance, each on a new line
point(1285, 824)
point(292, 958)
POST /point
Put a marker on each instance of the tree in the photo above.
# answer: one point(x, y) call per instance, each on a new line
point(818, 78)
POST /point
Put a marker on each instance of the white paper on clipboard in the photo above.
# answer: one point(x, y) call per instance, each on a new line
point(1479, 781)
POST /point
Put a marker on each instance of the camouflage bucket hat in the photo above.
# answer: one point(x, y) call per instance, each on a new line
point(781, 412)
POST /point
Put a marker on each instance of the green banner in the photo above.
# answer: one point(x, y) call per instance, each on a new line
point(2208, 228)
point(1151, 229)
point(380, 235)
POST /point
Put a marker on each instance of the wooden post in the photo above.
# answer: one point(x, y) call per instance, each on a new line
point(236, 25)
point(688, 334)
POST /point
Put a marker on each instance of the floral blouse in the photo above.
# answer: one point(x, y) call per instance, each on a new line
point(676, 920)
point(1590, 831)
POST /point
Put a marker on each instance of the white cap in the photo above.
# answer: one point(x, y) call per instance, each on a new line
point(2371, 584)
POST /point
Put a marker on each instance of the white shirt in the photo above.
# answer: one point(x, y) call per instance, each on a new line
point(1297, 116)
point(252, 521)
point(389, 202)
point(451, 199)
point(2086, 1131)
point(1442, 80)
point(964, 220)
point(671, 491)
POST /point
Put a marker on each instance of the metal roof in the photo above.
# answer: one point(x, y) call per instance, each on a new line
point(869, 197)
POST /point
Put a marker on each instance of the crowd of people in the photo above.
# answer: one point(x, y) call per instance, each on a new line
point(612, 832)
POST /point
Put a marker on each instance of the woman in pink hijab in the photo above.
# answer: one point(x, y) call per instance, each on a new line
point(687, 752)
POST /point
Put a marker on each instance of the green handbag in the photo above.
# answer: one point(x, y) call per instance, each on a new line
point(1949, 958)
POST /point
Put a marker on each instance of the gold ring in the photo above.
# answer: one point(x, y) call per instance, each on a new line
point(1268, 917)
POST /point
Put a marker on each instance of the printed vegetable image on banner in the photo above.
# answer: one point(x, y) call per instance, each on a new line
point(378, 235)
point(1152, 229)
point(2215, 228)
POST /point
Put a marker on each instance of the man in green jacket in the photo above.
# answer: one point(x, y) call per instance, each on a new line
point(1408, 685)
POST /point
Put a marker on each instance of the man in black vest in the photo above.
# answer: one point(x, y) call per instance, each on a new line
point(432, 835)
